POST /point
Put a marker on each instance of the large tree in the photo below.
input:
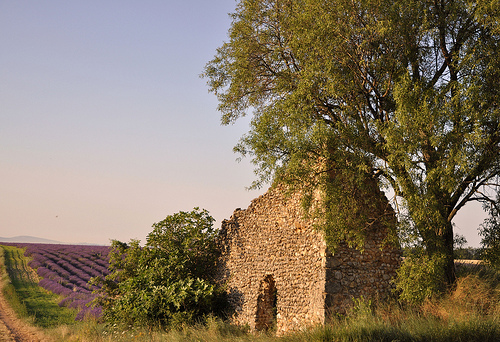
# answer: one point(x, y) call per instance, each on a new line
point(402, 91)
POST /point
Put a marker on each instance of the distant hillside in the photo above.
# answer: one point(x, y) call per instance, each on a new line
point(27, 239)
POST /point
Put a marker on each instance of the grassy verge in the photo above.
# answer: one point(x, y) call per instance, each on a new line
point(8, 289)
point(30, 301)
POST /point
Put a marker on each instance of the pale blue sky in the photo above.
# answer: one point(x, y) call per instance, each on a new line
point(105, 125)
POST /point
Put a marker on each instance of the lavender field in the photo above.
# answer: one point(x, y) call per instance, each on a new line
point(66, 269)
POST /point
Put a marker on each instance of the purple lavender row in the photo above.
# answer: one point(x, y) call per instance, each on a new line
point(54, 287)
point(91, 261)
point(93, 269)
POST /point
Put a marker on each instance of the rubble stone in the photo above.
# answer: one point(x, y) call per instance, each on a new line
point(278, 270)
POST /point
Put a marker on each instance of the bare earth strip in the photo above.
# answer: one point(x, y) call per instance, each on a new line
point(5, 332)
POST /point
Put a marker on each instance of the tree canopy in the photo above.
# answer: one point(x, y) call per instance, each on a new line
point(406, 92)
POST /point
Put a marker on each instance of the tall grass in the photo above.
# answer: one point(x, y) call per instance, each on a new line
point(214, 331)
point(468, 312)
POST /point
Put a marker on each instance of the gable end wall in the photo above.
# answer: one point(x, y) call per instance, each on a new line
point(271, 239)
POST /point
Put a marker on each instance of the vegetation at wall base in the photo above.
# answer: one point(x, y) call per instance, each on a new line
point(469, 312)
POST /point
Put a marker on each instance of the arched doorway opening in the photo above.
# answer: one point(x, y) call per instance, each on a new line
point(266, 304)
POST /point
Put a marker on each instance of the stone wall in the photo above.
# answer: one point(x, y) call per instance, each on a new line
point(279, 271)
point(351, 274)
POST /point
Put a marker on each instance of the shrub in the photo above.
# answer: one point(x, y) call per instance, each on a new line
point(490, 231)
point(168, 281)
point(419, 278)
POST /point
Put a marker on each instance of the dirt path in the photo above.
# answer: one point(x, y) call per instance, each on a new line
point(14, 329)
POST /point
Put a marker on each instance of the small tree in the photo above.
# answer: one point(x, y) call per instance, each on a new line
point(170, 280)
point(490, 231)
point(419, 277)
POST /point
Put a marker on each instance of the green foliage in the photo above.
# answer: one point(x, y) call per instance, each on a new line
point(419, 278)
point(463, 252)
point(402, 92)
point(490, 231)
point(170, 280)
point(362, 308)
point(468, 253)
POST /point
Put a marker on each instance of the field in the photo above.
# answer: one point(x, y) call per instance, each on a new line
point(468, 312)
point(65, 270)
point(30, 301)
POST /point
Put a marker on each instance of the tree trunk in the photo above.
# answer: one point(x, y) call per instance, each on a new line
point(441, 245)
point(449, 267)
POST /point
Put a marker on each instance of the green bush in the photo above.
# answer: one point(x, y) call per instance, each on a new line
point(170, 280)
point(490, 231)
point(419, 278)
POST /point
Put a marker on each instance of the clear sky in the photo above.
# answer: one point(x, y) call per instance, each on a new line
point(106, 126)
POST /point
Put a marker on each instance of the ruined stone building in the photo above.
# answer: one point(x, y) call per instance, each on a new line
point(279, 272)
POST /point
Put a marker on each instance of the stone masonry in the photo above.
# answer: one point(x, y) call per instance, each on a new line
point(279, 271)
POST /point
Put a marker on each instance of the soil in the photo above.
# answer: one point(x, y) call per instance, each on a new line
point(14, 329)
